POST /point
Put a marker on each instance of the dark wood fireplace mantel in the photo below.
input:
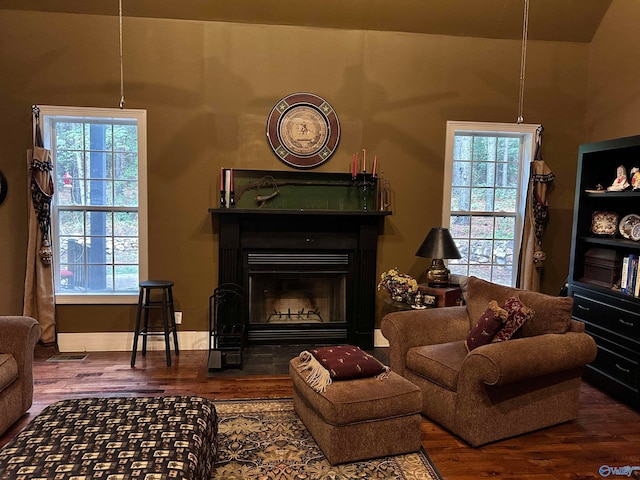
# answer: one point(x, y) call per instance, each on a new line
point(353, 232)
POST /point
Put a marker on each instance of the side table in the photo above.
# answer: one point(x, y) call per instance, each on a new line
point(445, 296)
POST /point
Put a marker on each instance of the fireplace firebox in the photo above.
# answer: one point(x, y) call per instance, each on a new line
point(309, 276)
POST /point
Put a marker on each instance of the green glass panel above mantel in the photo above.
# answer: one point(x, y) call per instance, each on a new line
point(294, 190)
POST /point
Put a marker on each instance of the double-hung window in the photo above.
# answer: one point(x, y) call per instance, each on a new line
point(486, 176)
point(99, 210)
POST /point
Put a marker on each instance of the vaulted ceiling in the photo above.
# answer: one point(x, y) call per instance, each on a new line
point(561, 20)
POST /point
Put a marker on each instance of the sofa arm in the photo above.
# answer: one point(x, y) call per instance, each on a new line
point(502, 363)
point(19, 337)
point(413, 328)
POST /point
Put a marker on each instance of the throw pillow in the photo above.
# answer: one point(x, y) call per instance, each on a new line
point(346, 362)
point(489, 323)
point(517, 315)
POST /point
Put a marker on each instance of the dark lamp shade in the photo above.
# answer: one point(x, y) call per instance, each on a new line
point(438, 244)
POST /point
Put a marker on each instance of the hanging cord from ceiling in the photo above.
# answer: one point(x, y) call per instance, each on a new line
point(122, 102)
point(523, 60)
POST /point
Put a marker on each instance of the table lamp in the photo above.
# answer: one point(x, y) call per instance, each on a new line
point(437, 246)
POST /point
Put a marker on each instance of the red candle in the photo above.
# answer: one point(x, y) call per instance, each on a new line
point(353, 164)
point(364, 160)
point(375, 165)
point(231, 180)
point(221, 179)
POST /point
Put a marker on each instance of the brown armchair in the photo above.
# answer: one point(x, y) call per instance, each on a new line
point(18, 337)
point(500, 389)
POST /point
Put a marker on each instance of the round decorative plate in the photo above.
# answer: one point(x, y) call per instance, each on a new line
point(627, 223)
point(303, 130)
point(635, 232)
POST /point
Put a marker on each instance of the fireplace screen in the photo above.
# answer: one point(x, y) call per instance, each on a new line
point(310, 293)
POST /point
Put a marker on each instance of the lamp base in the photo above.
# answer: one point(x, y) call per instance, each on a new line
point(438, 274)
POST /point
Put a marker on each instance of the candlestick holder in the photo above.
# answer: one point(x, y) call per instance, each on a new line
point(232, 199)
point(364, 182)
point(223, 199)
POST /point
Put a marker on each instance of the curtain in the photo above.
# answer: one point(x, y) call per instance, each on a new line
point(536, 214)
point(39, 300)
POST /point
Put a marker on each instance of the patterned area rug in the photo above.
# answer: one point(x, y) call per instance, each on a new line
point(265, 439)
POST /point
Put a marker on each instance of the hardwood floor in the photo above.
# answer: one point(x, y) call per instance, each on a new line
point(606, 432)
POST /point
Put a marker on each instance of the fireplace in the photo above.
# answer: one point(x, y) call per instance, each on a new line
point(297, 294)
point(309, 276)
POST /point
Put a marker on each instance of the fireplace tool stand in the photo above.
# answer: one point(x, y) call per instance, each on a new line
point(226, 327)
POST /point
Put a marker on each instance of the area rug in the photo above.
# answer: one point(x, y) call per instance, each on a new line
point(265, 439)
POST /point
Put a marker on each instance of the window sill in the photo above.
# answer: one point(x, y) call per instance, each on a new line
point(96, 299)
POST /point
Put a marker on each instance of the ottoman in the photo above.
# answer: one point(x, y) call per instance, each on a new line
point(146, 438)
point(359, 419)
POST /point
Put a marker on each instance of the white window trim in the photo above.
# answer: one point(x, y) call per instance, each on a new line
point(64, 298)
point(529, 130)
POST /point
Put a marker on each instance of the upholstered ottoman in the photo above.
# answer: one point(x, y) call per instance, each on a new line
point(359, 419)
point(116, 438)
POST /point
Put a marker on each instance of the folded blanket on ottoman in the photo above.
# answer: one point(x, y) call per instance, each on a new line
point(116, 438)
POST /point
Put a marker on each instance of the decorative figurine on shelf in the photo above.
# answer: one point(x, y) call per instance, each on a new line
point(635, 178)
point(620, 183)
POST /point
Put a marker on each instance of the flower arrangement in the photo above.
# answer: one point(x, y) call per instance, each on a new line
point(401, 287)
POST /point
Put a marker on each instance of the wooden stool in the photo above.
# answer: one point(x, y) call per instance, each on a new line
point(168, 317)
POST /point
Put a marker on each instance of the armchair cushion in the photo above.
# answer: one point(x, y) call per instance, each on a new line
point(489, 323)
point(8, 370)
point(517, 315)
point(552, 314)
point(440, 363)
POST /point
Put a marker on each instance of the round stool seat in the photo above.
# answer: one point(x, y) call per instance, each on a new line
point(156, 283)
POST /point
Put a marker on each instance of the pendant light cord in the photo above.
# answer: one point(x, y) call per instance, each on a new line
point(122, 102)
point(523, 60)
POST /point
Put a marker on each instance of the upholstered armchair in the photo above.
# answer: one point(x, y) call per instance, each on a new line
point(499, 389)
point(18, 337)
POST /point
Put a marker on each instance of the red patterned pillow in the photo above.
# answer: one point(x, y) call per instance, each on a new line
point(346, 362)
point(487, 326)
point(518, 314)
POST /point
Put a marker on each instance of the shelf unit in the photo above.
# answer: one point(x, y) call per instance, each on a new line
point(610, 316)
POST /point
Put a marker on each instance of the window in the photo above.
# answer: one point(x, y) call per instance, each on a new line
point(99, 211)
point(487, 169)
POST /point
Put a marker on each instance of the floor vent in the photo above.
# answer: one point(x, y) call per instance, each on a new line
point(67, 358)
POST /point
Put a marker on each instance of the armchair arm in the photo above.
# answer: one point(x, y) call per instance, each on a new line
point(19, 337)
point(405, 330)
point(519, 359)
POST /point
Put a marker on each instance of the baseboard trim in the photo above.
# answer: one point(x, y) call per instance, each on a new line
point(123, 341)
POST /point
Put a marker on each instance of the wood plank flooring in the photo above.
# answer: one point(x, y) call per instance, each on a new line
point(606, 432)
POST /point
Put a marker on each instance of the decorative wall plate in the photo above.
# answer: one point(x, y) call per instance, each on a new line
point(627, 224)
point(303, 130)
point(604, 223)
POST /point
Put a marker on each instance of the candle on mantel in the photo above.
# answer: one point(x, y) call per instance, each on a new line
point(231, 180)
point(375, 165)
point(222, 179)
point(353, 165)
point(364, 160)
